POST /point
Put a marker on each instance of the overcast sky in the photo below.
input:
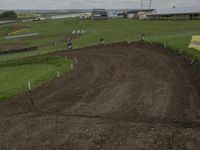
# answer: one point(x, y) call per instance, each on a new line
point(83, 4)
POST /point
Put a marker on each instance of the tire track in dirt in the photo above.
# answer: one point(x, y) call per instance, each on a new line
point(118, 97)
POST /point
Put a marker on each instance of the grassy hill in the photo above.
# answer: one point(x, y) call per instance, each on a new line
point(176, 33)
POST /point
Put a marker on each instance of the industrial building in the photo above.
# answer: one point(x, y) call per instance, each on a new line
point(85, 16)
point(99, 14)
point(176, 14)
point(138, 13)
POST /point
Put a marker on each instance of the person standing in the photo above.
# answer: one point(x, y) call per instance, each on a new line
point(69, 44)
point(101, 41)
point(143, 37)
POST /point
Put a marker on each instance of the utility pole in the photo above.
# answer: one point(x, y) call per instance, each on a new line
point(141, 4)
point(150, 4)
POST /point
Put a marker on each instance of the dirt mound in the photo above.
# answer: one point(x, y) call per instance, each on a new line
point(118, 97)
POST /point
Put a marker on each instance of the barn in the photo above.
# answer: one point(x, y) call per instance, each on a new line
point(177, 14)
point(99, 14)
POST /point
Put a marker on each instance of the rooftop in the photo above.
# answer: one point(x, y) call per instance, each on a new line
point(183, 10)
point(98, 10)
point(140, 10)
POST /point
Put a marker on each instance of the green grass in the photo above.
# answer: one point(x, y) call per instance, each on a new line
point(26, 15)
point(14, 75)
point(177, 34)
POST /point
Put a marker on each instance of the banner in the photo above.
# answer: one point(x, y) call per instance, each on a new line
point(195, 42)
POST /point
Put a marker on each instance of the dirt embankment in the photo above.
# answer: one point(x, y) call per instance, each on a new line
point(118, 97)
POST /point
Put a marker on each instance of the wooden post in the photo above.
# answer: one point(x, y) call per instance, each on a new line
point(29, 86)
point(165, 45)
point(72, 67)
point(193, 60)
point(58, 74)
point(126, 39)
point(76, 61)
point(180, 52)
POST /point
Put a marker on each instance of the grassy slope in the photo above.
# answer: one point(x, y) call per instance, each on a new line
point(177, 33)
point(14, 75)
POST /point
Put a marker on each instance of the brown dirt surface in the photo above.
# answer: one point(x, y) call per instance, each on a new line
point(118, 97)
point(12, 46)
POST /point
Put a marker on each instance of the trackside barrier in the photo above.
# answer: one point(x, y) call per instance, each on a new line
point(21, 36)
point(195, 42)
point(79, 32)
point(18, 50)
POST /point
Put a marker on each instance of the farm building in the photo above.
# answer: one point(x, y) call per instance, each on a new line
point(137, 13)
point(38, 18)
point(176, 14)
point(85, 16)
point(99, 14)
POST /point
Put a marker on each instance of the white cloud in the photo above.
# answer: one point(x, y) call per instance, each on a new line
point(82, 4)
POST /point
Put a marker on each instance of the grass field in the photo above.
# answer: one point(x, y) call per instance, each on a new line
point(14, 75)
point(176, 33)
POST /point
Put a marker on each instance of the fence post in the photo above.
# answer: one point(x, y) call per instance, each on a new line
point(193, 60)
point(75, 59)
point(165, 45)
point(180, 52)
point(72, 67)
point(58, 74)
point(29, 86)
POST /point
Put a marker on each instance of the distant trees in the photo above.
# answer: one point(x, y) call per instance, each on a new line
point(8, 15)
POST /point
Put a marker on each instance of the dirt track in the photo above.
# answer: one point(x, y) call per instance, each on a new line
point(118, 97)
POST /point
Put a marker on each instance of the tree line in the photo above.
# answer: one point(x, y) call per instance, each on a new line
point(8, 15)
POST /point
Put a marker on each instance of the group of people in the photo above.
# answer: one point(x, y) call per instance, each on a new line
point(70, 46)
point(101, 41)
